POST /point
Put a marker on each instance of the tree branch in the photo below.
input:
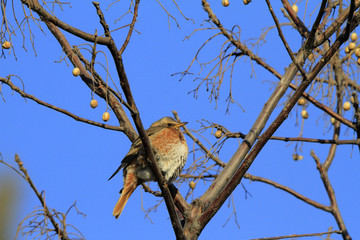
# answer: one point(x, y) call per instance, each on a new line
point(62, 234)
point(75, 117)
point(288, 190)
point(292, 236)
point(124, 83)
point(300, 139)
point(35, 5)
point(331, 194)
point(215, 197)
point(302, 29)
point(132, 24)
point(224, 177)
point(290, 53)
point(199, 143)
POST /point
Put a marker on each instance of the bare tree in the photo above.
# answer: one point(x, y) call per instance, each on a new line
point(322, 72)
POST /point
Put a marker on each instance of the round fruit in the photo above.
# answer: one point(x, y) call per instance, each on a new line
point(353, 37)
point(332, 120)
point(94, 103)
point(357, 52)
point(76, 71)
point(301, 101)
point(106, 116)
point(6, 45)
point(295, 8)
point(192, 184)
point(347, 106)
point(218, 134)
point(246, 2)
point(304, 114)
point(225, 3)
point(297, 157)
point(358, 61)
point(347, 50)
point(352, 45)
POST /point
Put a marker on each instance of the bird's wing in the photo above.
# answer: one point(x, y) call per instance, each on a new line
point(135, 150)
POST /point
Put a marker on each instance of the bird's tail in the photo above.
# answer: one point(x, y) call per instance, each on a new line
point(130, 184)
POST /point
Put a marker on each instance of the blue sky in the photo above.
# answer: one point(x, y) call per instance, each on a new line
point(71, 161)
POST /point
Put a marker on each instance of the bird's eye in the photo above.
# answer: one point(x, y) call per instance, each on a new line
point(169, 124)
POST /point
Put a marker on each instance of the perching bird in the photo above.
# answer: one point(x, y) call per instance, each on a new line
point(170, 151)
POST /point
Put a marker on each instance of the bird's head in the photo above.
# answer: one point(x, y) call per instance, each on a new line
point(167, 122)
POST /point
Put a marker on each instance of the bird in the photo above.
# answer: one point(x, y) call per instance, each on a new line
point(170, 151)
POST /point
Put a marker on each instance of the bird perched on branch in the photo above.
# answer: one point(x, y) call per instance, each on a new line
point(170, 152)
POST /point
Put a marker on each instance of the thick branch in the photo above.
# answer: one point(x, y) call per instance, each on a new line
point(140, 128)
point(100, 90)
point(304, 32)
point(320, 39)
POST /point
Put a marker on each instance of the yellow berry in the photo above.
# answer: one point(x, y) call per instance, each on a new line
point(357, 52)
point(347, 106)
point(6, 45)
point(304, 114)
point(94, 103)
point(301, 101)
point(76, 71)
point(347, 50)
point(106, 116)
point(297, 157)
point(192, 184)
point(225, 3)
point(352, 45)
point(295, 8)
point(332, 120)
point(353, 37)
point(246, 2)
point(218, 134)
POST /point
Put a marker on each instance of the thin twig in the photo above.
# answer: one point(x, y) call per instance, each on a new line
point(288, 190)
point(292, 236)
point(36, 6)
point(149, 190)
point(278, 27)
point(207, 151)
point(310, 41)
point(62, 234)
point(75, 117)
point(331, 194)
point(300, 139)
point(132, 24)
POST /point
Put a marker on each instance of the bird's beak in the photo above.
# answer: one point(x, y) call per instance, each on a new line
point(181, 124)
